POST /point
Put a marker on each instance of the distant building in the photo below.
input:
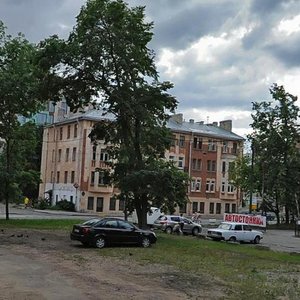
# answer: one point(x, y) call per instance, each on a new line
point(70, 164)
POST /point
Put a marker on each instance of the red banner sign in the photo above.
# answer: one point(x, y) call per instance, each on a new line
point(247, 219)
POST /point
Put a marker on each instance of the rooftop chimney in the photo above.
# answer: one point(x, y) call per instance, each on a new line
point(227, 125)
point(177, 118)
point(192, 121)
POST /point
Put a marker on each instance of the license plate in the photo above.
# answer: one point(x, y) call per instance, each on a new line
point(76, 230)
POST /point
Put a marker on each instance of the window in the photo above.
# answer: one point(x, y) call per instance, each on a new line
point(234, 148)
point(211, 207)
point(195, 207)
point(74, 154)
point(72, 176)
point(227, 208)
point(223, 187)
point(196, 164)
point(66, 177)
point(198, 185)
point(197, 143)
point(71, 199)
point(230, 188)
point(233, 208)
point(223, 166)
point(238, 227)
point(193, 184)
point(180, 162)
point(75, 130)
point(171, 158)
point(101, 178)
point(99, 207)
point(210, 185)
point(212, 146)
point(61, 133)
point(202, 206)
point(122, 204)
point(104, 156)
point(182, 141)
point(225, 147)
point(57, 176)
point(173, 141)
point(218, 208)
point(211, 165)
point(69, 131)
point(112, 203)
point(90, 204)
point(92, 182)
point(59, 155)
point(67, 154)
point(94, 152)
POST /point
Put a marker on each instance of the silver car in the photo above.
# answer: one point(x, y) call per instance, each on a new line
point(168, 222)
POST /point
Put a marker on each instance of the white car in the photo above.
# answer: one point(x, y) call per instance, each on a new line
point(235, 232)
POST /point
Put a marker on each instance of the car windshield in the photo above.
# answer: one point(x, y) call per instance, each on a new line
point(224, 226)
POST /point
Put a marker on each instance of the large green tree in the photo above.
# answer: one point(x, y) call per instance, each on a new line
point(107, 57)
point(274, 140)
point(20, 87)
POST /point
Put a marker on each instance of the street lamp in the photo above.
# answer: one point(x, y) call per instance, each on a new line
point(251, 177)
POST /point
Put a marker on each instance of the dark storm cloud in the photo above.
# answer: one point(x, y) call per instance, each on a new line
point(287, 51)
point(265, 7)
point(38, 19)
point(190, 24)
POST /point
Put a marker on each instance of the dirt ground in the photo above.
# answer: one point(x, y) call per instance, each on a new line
point(37, 265)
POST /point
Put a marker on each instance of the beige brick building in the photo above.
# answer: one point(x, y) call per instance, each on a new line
point(70, 165)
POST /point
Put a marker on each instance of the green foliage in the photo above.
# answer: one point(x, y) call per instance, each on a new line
point(276, 157)
point(106, 56)
point(20, 94)
point(65, 205)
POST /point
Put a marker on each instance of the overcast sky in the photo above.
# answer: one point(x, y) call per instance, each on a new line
point(221, 55)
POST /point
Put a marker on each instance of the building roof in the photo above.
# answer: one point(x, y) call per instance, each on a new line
point(185, 127)
point(203, 129)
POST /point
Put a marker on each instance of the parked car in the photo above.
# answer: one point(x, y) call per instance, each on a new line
point(168, 222)
point(152, 215)
point(108, 231)
point(235, 232)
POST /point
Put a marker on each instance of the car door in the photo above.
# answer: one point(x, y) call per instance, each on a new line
point(248, 234)
point(127, 233)
point(109, 229)
point(187, 226)
point(238, 232)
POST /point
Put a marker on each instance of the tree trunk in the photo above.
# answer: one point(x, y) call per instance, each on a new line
point(141, 211)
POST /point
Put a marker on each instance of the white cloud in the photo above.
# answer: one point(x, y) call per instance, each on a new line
point(289, 26)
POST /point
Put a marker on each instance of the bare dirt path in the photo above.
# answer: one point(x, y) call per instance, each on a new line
point(47, 265)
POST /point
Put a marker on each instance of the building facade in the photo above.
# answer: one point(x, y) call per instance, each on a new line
point(72, 166)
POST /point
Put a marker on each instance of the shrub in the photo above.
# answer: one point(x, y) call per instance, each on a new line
point(65, 205)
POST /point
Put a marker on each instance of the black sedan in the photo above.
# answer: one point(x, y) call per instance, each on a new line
point(108, 231)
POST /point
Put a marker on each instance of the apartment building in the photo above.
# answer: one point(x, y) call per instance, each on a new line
point(205, 152)
point(72, 166)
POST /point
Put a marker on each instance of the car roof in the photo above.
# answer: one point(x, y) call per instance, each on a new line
point(235, 223)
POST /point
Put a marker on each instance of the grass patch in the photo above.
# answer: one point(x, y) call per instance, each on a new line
point(243, 271)
point(49, 224)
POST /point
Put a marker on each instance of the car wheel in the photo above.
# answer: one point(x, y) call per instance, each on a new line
point(195, 231)
point(169, 230)
point(145, 242)
point(100, 242)
point(256, 240)
point(232, 239)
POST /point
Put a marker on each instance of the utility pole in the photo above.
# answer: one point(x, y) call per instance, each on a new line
point(251, 177)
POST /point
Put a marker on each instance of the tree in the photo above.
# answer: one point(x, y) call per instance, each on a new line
point(106, 57)
point(20, 79)
point(275, 134)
